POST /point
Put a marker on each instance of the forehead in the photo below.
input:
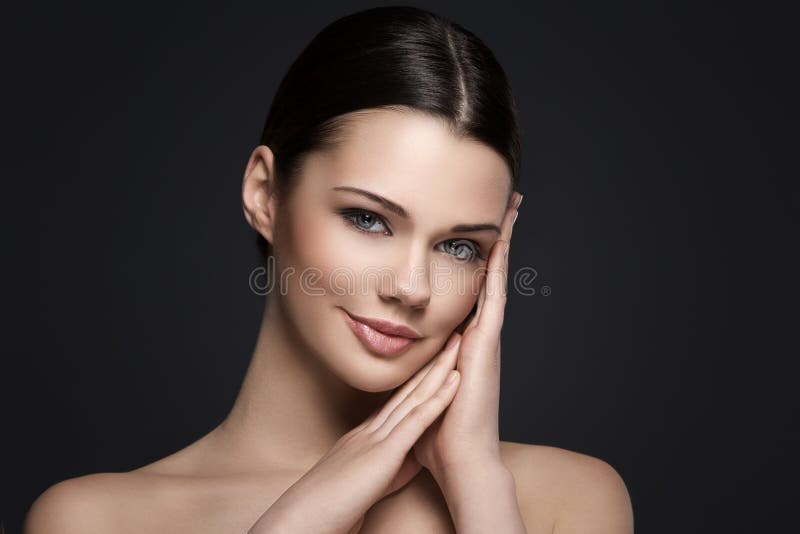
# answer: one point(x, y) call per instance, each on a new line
point(414, 160)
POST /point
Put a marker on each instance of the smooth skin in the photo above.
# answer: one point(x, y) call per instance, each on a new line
point(375, 455)
point(323, 433)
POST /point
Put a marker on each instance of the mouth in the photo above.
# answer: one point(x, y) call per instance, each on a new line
point(380, 341)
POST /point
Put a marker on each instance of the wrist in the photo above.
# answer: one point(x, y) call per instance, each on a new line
point(271, 522)
point(288, 515)
point(455, 477)
point(277, 519)
point(480, 496)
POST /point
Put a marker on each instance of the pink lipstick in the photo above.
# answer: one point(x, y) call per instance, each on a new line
point(382, 337)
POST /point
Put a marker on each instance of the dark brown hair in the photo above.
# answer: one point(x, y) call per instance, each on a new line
point(395, 57)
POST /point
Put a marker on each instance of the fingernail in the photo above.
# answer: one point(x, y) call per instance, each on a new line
point(519, 201)
point(451, 377)
point(505, 251)
point(516, 214)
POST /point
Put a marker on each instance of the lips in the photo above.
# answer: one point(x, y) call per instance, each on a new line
point(381, 337)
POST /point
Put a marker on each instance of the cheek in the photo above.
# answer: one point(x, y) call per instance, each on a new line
point(459, 284)
point(341, 259)
point(331, 263)
point(455, 294)
point(460, 307)
point(316, 245)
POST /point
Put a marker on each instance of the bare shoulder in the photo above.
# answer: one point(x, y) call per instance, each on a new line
point(575, 492)
point(82, 504)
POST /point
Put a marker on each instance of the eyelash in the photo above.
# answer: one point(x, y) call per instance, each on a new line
point(350, 213)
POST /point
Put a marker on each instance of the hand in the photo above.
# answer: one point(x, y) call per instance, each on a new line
point(369, 462)
point(468, 430)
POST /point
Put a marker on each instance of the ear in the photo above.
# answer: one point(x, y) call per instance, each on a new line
point(259, 200)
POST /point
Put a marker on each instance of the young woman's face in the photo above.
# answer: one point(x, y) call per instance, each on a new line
point(342, 252)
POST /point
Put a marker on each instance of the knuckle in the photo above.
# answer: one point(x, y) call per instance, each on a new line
point(374, 436)
point(414, 398)
point(357, 430)
point(378, 443)
point(418, 412)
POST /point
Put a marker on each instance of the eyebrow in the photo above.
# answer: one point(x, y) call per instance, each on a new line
point(396, 208)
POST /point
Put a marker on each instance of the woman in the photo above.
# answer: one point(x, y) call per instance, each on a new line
point(383, 193)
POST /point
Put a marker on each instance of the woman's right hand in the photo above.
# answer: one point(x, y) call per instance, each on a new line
point(371, 461)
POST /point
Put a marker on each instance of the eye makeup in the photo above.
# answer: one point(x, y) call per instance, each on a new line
point(355, 216)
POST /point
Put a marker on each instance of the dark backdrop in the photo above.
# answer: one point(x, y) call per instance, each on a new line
point(655, 210)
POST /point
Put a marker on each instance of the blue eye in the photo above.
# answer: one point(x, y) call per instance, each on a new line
point(472, 251)
point(365, 221)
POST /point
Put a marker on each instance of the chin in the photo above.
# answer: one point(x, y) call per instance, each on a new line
point(365, 377)
point(364, 370)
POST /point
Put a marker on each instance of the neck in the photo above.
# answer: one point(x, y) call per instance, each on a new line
point(291, 409)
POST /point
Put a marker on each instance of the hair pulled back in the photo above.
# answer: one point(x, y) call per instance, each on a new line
point(394, 57)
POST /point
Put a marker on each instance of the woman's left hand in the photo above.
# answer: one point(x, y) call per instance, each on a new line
point(468, 430)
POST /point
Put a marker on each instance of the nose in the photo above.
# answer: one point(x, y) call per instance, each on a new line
point(409, 283)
